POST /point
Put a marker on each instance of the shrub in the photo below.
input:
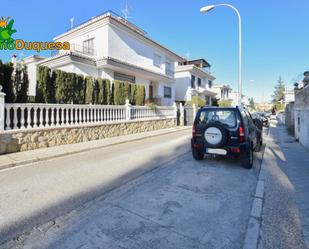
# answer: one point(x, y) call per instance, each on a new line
point(51, 88)
point(106, 92)
point(89, 90)
point(119, 96)
point(139, 96)
point(225, 103)
point(79, 90)
point(6, 71)
point(43, 80)
point(21, 84)
point(99, 91)
point(198, 101)
point(59, 84)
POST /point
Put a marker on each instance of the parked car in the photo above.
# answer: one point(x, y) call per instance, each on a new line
point(263, 117)
point(229, 131)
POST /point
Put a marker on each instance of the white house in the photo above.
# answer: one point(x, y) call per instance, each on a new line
point(109, 46)
point(194, 79)
point(223, 91)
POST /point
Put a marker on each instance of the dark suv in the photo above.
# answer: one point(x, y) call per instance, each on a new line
point(229, 131)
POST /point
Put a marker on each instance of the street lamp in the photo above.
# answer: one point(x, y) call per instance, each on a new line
point(211, 7)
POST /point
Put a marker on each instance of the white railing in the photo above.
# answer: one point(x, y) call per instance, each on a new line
point(30, 116)
point(144, 112)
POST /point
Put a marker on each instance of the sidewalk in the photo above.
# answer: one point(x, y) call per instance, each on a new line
point(285, 220)
point(25, 157)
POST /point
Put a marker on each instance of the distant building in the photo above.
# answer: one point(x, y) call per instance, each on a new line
point(264, 106)
point(223, 91)
point(193, 78)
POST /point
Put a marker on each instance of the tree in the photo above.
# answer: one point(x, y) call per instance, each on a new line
point(279, 91)
point(278, 96)
point(251, 103)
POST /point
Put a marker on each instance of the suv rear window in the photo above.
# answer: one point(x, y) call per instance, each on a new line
point(226, 117)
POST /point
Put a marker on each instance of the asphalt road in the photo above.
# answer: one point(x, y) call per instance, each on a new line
point(178, 203)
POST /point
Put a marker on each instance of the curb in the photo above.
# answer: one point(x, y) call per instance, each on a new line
point(11, 163)
point(254, 225)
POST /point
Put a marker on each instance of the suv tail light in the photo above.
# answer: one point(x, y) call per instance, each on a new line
point(241, 134)
point(193, 132)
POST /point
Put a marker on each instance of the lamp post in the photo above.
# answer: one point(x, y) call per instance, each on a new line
point(211, 7)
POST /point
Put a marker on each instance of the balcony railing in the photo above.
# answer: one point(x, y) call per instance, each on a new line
point(78, 49)
point(169, 72)
point(83, 49)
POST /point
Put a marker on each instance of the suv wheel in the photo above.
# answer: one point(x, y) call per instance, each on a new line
point(197, 154)
point(247, 159)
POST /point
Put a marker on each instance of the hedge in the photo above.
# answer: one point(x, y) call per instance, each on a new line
point(89, 90)
point(139, 95)
point(225, 103)
point(198, 101)
point(62, 87)
point(15, 85)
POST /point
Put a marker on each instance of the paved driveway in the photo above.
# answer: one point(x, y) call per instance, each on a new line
point(183, 204)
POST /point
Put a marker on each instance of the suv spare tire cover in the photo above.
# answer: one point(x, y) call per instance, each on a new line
point(215, 135)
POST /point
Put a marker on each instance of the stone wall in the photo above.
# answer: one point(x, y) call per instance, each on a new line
point(22, 140)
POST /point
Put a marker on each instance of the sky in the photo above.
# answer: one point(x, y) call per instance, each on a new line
point(275, 33)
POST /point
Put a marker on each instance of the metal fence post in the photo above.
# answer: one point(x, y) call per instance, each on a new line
point(128, 110)
point(2, 103)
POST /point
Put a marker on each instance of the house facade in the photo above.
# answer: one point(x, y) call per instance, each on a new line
point(223, 91)
point(111, 47)
point(193, 78)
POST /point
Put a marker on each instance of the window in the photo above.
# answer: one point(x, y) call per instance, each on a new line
point(192, 81)
point(88, 46)
point(124, 77)
point(209, 83)
point(157, 60)
point(225, 117)
point(168, 69)
point(199, 81)
point(167, 92)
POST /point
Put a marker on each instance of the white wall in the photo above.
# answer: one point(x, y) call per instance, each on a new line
point(129, 48)
point(78, 68)
point(100, 36)
point(183, 83)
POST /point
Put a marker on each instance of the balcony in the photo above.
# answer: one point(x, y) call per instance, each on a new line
point(77, 49)
point(169, 72)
